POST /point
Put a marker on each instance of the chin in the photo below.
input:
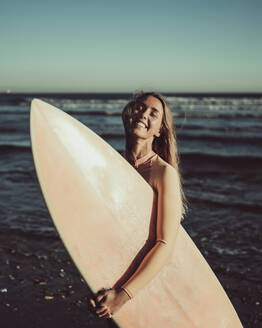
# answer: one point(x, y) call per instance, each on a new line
point(137, 132)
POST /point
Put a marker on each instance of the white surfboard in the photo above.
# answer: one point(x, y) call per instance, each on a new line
point(101, 208)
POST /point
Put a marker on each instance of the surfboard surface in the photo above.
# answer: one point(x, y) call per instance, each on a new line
point(101, 208)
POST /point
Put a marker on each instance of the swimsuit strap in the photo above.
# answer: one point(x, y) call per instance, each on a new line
point(145, 161)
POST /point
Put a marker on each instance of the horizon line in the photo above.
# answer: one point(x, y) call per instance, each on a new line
point(185, 93)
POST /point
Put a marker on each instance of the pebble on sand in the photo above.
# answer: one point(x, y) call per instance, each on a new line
point(40, 282)
point(48, 298)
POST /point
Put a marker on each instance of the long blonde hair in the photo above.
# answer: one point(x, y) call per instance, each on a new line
point(165, 145)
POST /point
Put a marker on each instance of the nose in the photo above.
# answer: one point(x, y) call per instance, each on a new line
point(145, 113)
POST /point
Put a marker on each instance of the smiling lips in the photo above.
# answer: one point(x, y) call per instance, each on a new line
point(142, 125)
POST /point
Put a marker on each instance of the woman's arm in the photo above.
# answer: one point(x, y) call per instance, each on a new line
point(169, 213)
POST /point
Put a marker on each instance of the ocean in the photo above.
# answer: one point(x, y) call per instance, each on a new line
point(219, 141)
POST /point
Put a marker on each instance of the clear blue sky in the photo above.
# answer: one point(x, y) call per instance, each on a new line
point(121, 46)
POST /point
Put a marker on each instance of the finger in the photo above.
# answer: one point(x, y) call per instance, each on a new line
point(102, 290)
point(108, 316)
point(92, 302)
point(101, 309)
point(101, 297)
point(104, 314)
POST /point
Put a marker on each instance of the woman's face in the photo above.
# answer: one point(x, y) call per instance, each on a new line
point(147, 119)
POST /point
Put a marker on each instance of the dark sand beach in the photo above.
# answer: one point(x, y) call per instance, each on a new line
point(41, 287)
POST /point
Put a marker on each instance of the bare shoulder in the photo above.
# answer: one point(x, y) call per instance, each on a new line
point(163, 174)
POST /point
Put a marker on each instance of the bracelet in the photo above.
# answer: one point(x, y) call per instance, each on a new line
point(161, 241)
point(129, 294)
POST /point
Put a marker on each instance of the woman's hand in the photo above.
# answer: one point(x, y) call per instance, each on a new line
point(108, 301)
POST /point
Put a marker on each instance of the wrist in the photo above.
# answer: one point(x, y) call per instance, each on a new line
point(123, 295)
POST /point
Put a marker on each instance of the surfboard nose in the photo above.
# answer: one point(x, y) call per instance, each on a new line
point(43, 114)
point(38, 105)
point(37, 111)
point(35, 104)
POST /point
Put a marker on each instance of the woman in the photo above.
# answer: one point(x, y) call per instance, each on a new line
point(151, 149)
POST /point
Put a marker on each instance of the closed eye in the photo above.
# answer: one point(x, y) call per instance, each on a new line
point(154, 113)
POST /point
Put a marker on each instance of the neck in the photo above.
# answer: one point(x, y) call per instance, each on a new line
point(141, 148)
